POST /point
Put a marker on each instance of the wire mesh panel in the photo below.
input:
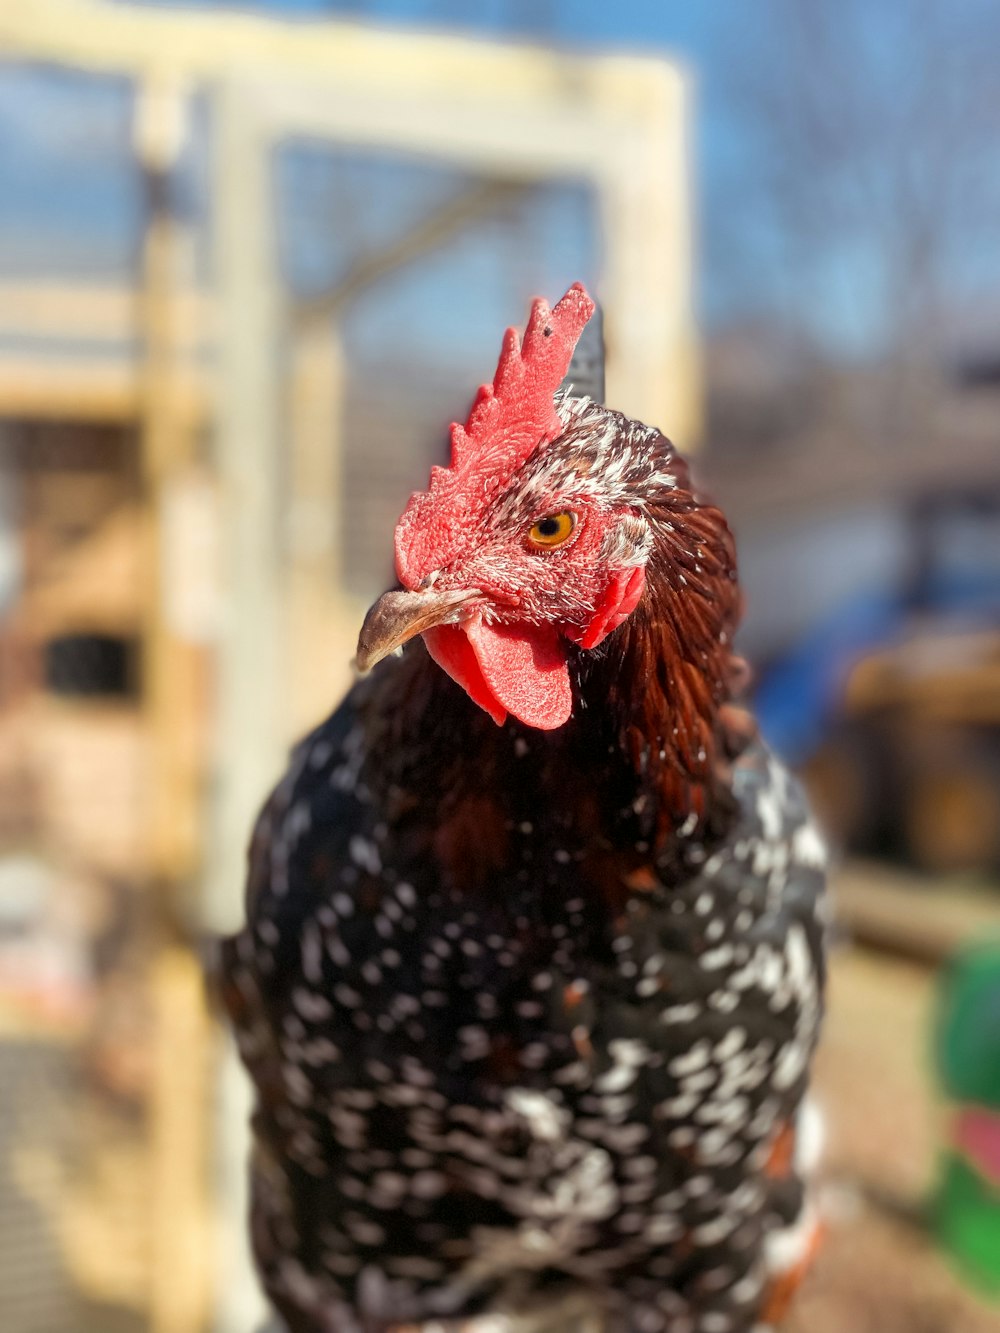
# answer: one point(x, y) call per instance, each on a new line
point(407, 269)
point(36, 1290)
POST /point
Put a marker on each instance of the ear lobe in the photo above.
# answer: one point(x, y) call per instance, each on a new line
point(621, 597)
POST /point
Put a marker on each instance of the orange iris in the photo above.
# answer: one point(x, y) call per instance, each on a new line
point(552, 530)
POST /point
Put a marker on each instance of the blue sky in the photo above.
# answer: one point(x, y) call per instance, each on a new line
point(808, 236)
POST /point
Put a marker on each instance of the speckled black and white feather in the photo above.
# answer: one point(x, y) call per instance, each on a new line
point(504, 1041)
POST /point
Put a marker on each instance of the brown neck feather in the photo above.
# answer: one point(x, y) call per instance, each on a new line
point(669, 676)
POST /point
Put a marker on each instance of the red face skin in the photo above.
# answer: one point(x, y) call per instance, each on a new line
point(509, 652)
point(523, 581)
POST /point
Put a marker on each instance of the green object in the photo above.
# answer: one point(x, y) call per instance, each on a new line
point(967, 1056)
point(967, 1220)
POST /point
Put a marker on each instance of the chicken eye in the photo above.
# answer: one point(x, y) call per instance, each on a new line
point(552, 530)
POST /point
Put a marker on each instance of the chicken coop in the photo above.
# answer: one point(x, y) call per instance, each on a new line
point(208, 423)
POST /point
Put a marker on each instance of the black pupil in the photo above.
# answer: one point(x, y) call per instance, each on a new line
point(549, 527)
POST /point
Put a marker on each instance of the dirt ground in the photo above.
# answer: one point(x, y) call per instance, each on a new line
point(879, 1271)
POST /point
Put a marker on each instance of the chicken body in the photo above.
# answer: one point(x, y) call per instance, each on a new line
point(500, 1045)
point(533, 963)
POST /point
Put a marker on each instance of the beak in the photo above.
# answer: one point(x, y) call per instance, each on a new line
point(399, 616)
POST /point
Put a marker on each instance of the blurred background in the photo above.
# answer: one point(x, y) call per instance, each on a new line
point(252, 260)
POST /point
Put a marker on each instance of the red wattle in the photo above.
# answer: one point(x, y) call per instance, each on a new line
point(452, 651)
point(525, 668)
point(517, 669)
point(619, 600)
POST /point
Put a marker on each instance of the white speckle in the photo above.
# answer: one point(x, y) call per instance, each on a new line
point(363, 1229)
point(320, 753)
point(268, 932)
point(678, 1107)
point(545, 1118)
point(389, 1182)
point(769, 811)
point(428, 1184)
point(810, 1137)
point(475, 1042)
point(311, 1004)
point(790, 1064)
point(800, 969)
point(787, 1248)
point(712, 959)
point(807, 847)
point(312, 953)
point(680, 1013)
point(694, 1059)
point(746, 1289)
point(615, 1080)
point(365, 854)
point(662, 1229)
point(710, 1233)
point(733, 1041)
point(714, 1322)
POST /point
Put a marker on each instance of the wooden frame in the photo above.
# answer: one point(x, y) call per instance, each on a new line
point(514, 112)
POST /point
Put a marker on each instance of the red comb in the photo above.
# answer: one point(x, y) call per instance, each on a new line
point(506, 423)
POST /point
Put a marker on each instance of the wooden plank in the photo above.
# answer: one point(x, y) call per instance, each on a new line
point(910, 917)
point(92, 311)
point(85, 389)
point(201, 45)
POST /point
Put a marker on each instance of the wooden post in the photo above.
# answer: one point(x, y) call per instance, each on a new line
point(251, 681)
point(171, 698)
point(170, 662)
point(644, 194)
point(181, 1256)
point(251, 733)
point(321, 624)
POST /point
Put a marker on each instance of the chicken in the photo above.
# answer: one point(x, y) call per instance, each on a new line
point(533, 963)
